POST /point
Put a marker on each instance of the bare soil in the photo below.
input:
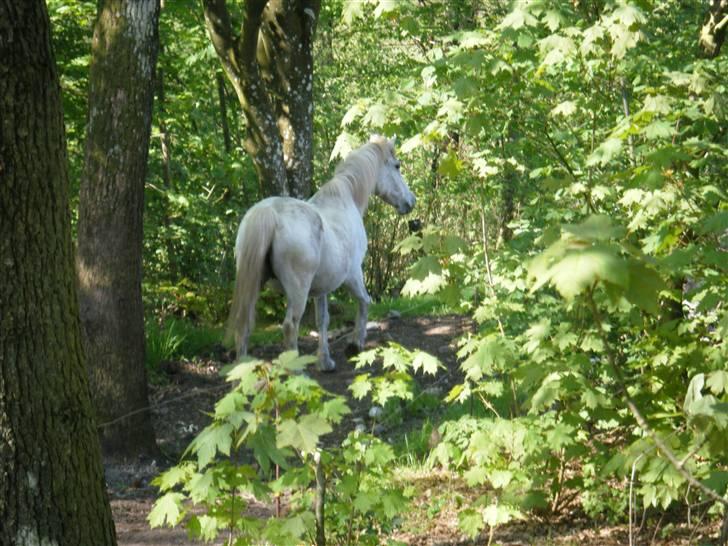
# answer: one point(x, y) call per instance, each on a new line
point(182, 402)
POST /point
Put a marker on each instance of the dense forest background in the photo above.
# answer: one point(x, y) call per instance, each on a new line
point(569, 160)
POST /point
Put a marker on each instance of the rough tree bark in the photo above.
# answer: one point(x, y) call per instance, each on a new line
point(52, 487)
point(270, 65)
point(121, 87)
point(712, 33)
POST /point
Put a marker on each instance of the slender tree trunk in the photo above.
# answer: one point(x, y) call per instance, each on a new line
point(124, 54)
point(222, 97)
point(270, 64)
point(52, 487)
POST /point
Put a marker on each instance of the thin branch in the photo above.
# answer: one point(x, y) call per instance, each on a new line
point(561, 157)
point(491, 284)
point(637, 414)
point(190, 394)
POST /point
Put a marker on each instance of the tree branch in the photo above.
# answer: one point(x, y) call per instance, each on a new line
point(637, 414)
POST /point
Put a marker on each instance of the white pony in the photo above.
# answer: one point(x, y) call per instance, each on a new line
point(313, 247)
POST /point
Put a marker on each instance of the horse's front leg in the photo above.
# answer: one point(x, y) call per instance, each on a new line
point(359, 291)
point(325, 362)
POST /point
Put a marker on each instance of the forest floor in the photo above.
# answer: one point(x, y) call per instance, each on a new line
point(191, 388)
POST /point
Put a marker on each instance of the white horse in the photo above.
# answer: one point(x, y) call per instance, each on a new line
point(313, 247)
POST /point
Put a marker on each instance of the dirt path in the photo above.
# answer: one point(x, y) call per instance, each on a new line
point(192, 389)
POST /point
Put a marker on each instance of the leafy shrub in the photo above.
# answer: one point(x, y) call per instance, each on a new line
point(272, 419)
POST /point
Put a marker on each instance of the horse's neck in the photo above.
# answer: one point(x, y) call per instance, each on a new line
point(343, 195)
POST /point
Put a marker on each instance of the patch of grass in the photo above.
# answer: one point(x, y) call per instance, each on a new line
point(266, 334)
point(408, 307)
point(177, 338)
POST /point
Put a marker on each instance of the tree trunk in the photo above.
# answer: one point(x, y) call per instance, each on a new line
point(270, 65)
point(52, 487)
point(712, 33)
point(121, 80)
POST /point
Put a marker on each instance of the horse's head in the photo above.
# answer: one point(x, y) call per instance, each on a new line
point(391, 187)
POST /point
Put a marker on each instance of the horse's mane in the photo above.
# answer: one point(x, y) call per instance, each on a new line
point(356, 176)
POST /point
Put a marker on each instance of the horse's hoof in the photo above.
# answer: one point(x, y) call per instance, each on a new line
point(327, 365)
point(352, 349)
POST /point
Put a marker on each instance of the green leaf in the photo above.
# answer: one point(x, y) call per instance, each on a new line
point(265, 450)
point(353, 9)
point(334, 410)
point(475, 475)
point(562, 435)
point(546, 394)
point(715, 223)
point(215, 437)
point(245, 373)
point(376, 116)
point(292, 361)
point(500, 478)
point(427, 362)
point(694, 391)
point(644, 287)
point(658, 129)
point(298, 525)
point(498, 514)
point(393, 502)
point(518, 18)
point(606, 152)
point(167, 510)
point(566, 109)
point(470, 522)
point(170, 478)
point(365, 501)
point(450, 165)
point(343, 146)
point(578, 270)
point(718, 382)
point(597, 227)
point(229, 404)
point(361, 386)
point(304, 434)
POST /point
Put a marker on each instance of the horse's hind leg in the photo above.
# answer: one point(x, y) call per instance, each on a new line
point(359, 291)
point(296, 289)
point(326, 364)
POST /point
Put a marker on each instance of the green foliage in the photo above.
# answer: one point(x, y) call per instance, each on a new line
point(569, 161)
point(272, 419)
point(577, 162)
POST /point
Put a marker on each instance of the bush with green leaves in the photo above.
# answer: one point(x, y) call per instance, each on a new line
point(584, 149)
point(263, 445)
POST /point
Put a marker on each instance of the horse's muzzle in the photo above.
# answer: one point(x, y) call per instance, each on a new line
point(407, 207)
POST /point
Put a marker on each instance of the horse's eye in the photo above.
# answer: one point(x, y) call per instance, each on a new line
point(396, 165)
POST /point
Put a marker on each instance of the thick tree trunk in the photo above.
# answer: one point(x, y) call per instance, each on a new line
point(712, 33)
point(52, 487)
point(124, 54)
point(270, 65)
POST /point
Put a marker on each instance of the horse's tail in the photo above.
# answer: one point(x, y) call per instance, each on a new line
point(253, 242)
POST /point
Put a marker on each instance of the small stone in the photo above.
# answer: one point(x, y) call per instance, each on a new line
point(360, 427)
point(433, 391)
point(375, 412)
point(378, 429)
point(394, 314)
